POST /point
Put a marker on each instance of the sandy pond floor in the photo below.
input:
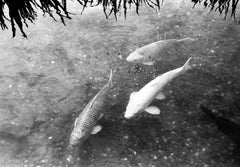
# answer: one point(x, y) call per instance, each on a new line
point(48, 79)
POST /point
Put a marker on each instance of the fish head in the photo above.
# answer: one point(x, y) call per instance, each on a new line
point(132, 110)
point(78, 136)
point(135, 57)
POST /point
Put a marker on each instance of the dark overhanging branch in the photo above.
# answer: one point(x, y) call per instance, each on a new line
point(22, 11)
point(222, 6)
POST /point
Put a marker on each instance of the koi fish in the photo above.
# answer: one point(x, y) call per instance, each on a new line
point(140, 101)
point(86, 122)
point(156, 51)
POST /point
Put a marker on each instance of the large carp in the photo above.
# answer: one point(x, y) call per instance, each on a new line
point(140, 101)
point(86, 122)
point(157, 51)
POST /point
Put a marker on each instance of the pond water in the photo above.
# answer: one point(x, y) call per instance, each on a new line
point(47, 80)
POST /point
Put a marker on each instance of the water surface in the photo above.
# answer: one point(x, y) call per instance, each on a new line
point(47, 80)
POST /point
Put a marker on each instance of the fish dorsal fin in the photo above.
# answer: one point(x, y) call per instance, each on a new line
point(186, 66)
point(160, 96)
point(75, 123)
point(188, 39)
point(133, 94)
point(148, 62)
point(110, 78)
point(152, 110)
point(96, 129)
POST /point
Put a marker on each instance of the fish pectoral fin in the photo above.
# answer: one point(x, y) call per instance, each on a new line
point(100, 116)
point(75, 123)
point(133, 94)
point(152, 110)
point(148, 63)
point(160, 96)
point(96, 129)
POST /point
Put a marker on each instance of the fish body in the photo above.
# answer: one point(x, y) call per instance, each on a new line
point(156, 51)
point(140, 101)
point(227, 127)
point(86, 123)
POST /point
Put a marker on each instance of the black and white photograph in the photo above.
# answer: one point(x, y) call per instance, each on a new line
point(119, 83)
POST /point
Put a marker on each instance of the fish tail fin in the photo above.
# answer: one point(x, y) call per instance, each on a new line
point(110, 78)
point(187, 39)
point(186, 66)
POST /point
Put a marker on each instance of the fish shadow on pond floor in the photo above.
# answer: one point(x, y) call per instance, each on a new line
point(229, 129)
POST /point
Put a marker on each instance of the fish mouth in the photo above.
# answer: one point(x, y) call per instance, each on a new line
point(129, 59)
point(134, 57)
point(127, 116)
point(73, 140)
point(133, 60)
point(72, 143)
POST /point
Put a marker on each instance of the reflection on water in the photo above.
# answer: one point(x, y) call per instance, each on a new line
point(48, 79)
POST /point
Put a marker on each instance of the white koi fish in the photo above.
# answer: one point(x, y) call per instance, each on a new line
point(156, 51)
point(140, 101)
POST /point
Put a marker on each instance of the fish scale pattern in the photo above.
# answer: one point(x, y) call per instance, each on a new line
point(87, 120)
